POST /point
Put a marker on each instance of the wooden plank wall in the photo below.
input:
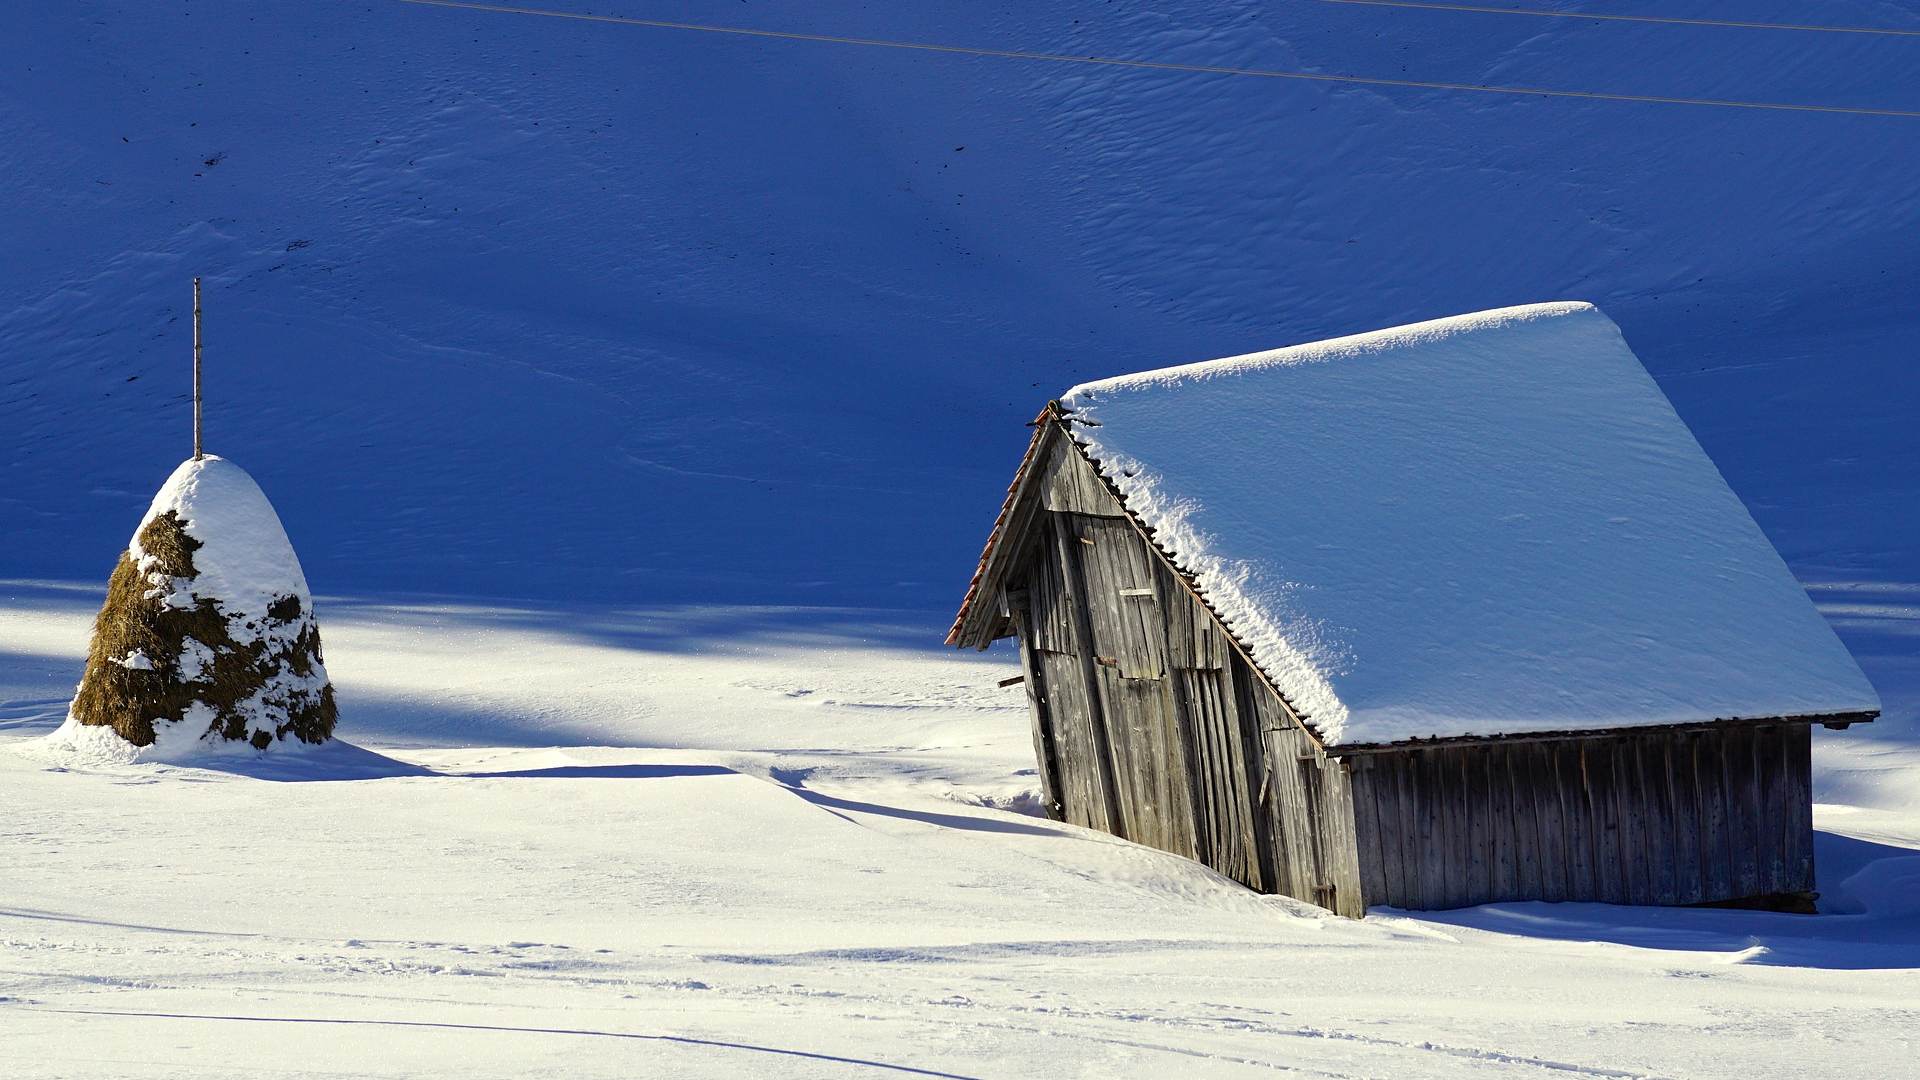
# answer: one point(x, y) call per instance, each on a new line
point(1309, 802)
point(1661, 817)
point(1147, 733)
point(1068, 707)
point(1148, 724)
point(1033, 677)
point(1160, 731)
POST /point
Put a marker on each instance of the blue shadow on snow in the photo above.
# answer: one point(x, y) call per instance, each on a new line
point(1869, 917)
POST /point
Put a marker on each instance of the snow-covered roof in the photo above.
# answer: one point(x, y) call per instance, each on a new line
point(1485, 525)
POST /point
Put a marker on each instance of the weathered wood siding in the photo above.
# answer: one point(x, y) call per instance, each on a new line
point(1309, 801)
point(1151, 724)
point(1157, 729)
point(1661, 817)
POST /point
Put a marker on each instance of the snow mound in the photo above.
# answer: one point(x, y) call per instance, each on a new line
point(1490, 524)
point(245, 561)
point(207, 635)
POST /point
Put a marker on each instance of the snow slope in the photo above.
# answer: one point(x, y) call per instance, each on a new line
point(542, 308)
point(1491, 524)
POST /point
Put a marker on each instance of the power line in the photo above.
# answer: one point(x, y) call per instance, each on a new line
point(1156, 65)
point(1420, 4)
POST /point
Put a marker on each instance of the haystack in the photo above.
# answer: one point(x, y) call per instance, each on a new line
point(207, 637)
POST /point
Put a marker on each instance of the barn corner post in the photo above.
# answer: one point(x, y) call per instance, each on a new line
point(197, 455)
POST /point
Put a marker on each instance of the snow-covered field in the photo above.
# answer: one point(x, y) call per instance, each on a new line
point(609, 319)
point(763, 841)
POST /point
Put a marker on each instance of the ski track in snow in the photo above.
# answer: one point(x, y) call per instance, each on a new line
point(549, 965)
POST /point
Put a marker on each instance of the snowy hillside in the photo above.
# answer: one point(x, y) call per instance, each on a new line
point(538, 307)
point(637, 400)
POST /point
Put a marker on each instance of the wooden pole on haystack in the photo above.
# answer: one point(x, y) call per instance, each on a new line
point(196, 369)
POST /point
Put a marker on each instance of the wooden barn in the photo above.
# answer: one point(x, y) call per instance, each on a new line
point(1429, 617)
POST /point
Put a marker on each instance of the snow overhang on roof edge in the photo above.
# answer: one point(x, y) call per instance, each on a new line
point(1056, 419)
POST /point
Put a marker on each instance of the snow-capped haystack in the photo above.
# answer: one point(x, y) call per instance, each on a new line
point(207, 637)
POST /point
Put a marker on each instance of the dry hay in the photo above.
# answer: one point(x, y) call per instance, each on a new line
point(191, 657)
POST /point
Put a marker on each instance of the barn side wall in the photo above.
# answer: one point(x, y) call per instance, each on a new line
point(1661, 817)
point(1150, 725)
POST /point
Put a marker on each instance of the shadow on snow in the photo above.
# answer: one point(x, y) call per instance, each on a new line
point(664, 628)
point(604, 772)
point(787, 780)
point(1869, 917)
